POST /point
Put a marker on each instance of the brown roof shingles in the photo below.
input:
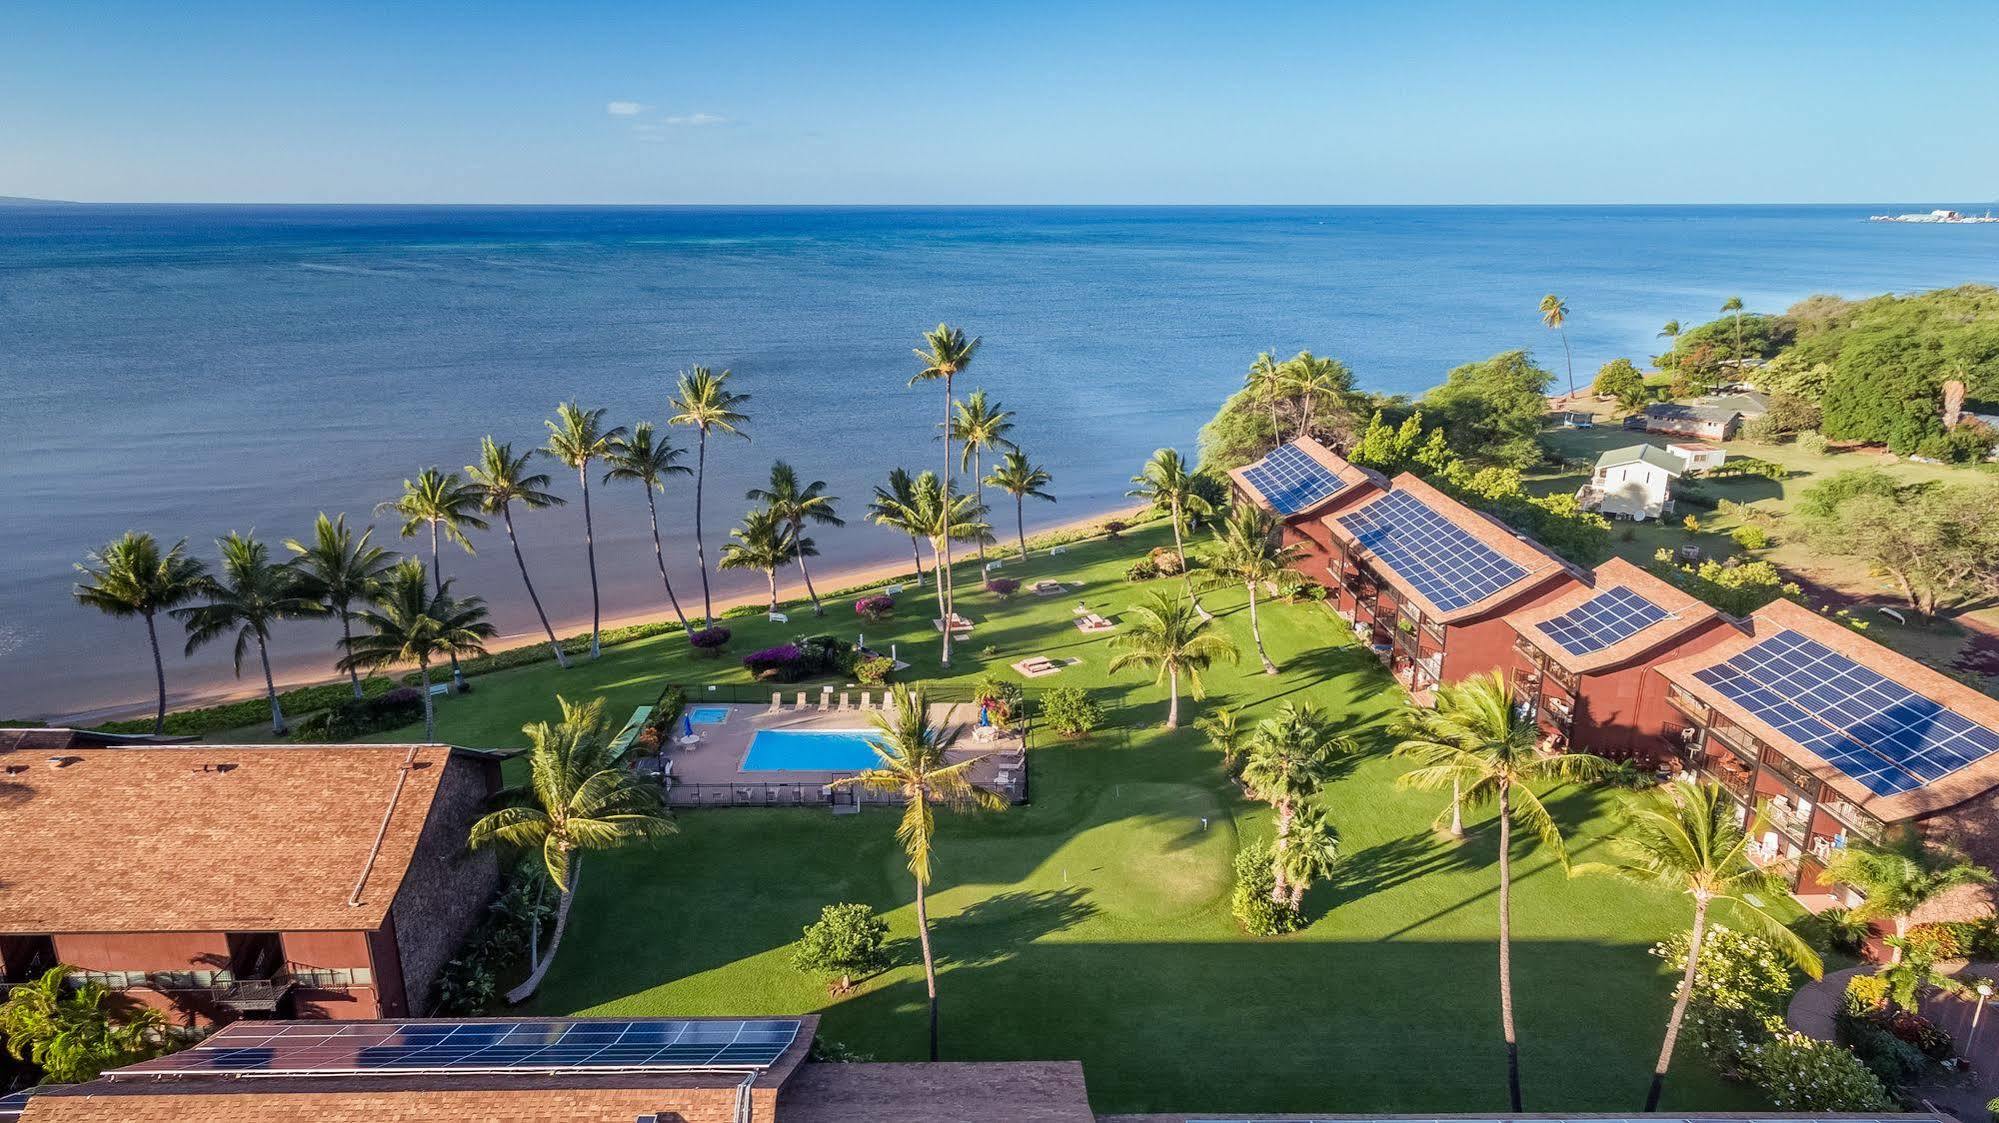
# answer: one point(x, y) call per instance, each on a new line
point(1687, 613)
point(964, 1092)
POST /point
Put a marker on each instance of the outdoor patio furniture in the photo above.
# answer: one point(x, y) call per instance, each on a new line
point(825, 700)
point(800, 705)
point(867, 700)
point(439, 689)
point(994, 564)
point(1049, 588)
point(776, 702)
point(846, 701)
point(958, 623)
point(779, 618)
point(1057, 551)
point(891, 590)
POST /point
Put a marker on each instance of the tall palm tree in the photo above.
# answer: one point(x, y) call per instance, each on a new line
point(1688, 838)
point(502, 480)
point(1266, 382)
point(1900, 875)
point(1248, 552)
point(447, 506)
point(1733, 305)
point(888, 508)
point(1290, 756)
point(794, 506)
point(647, 458)
point(337, 571)
point(408, 622)
point(1555, 314)
point(576, 437)
point(764, 543)
point(1308, 377)
point(979, 426)
point(131, 577)
point(1670, 331)
point(705, 402)
point(942, 520)
point(945, 354)
point(1167, 633)
point(912, 762)
point(1479, 745)
point(577, 799)
point(1310, 853)
point(1020, 479)
point(251, 594)
point(1168, 484)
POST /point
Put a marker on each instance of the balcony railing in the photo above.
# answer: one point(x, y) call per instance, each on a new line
point(1855, 820)
point(1736, 783)
point(1784, 818)
point(1559, 712)
point(1687, 704)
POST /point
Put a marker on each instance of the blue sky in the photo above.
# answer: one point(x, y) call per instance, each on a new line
point(1325, 102)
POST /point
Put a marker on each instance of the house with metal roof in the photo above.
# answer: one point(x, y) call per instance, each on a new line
point(1715, 418)
point(1635, 482)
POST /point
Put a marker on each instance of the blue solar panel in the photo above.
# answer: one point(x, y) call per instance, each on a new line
point(1605, 619)
point(1877, 731)
point(1292, 481)
point(303, 1048)
point(1444, 563)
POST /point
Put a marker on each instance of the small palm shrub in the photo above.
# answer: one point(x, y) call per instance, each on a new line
point(1249, 901)
point(1070, 711)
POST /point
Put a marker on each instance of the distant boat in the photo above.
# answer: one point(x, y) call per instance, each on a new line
point(1953, 217)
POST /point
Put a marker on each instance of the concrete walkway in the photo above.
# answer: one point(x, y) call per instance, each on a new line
point(1814, 1010)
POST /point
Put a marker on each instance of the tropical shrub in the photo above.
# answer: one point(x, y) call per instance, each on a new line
point(1143, 569)
point(1750, 537)
point(876, 607)
point(1800, 1073)
point(1002, 587)
point(1865, 993)
point(1115, 527)
point(1070, 711)
point(1893, 1061)
point(666, 710)
point(780, 663)
point(709, 641)
point(847, 940)
point(1249, 901)
point(1740, 985)
point(1934, 1040)
point(824, 654)
point(250, 711)
point(1811, 442)
point(1003, 699)
point(1941, 939)
point(1166, 561)
point(873, 670)
point(353, 717)
point(70, 1034)
point(497, 947)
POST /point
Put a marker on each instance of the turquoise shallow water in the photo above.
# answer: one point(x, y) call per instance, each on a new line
point(810, 750)
point(192, 370)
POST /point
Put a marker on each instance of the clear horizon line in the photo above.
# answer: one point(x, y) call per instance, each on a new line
point(23, 200)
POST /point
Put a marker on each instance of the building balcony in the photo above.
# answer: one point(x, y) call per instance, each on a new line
point(1558, 712)
point(1784, 817)
point(1687, 704)
point(1733, 780)
point(1854, 819)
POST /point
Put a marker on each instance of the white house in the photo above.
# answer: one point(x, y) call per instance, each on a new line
point(1633, 483)
point(1698, 457)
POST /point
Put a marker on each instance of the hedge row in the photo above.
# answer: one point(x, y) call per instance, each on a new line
point(297, 703)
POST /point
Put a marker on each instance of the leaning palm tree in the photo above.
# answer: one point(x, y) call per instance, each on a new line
point(338, 571)
point(705, 401)
point(979, 426)
point(503, 480)
point(251, 594)
point(647, 459)
point(576, 437)
point(1900, 875)
point(408, 623)
point(1671, 331)
point(795, 505)
point(913, 763)
point(763, 543)
point(1555, 314)
point(1022, 480)
point(1733, 305)
point(1168, 484)
point(942, 520)
point(1167, 633)
point(945, 354)
point(1266, 383)
point(1310, 853)
point(891, 503)
point(1480, 746)
point(131, 577)
point(443, 503)
point(1249, 553)
point(1688, 838)
point(578, 799)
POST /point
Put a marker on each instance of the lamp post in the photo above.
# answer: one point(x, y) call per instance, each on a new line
point(1984, 989)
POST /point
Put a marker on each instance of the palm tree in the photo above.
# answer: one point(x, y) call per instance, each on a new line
point(1308, 378)
point(1688, 838)
point(252, 593)
point(1247, 552)
point(1913, 973)
point(448, 506)
point(890, 504)
point(69, 1032)
point(131, 577)
point(647, 459)
point(1900, 875)
point(980, 426)
point(408, 622)
point(795, 506)
point(1020, 479)
point(1734, 305)
point(1555, 314)
point(1226, 735)
point(1290, 756)
point(1479, 745)
point(1265, 381)
point(1168, 485)
point(942, 520)
point(1309, 854)
point(578, 799)
point(912, 762)
point(502, 480)
point(1168, 634)
point(338, 570)
point(764, 543)
point(945, 354)
point(576, 437)
point(705, 401)
point(1670, 331)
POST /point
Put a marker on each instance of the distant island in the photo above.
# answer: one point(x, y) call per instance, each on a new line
point(25, 201)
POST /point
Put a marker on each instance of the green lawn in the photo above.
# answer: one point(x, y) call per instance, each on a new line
point(1093, 923)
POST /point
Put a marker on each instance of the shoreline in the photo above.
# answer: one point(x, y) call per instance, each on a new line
point(839, 579)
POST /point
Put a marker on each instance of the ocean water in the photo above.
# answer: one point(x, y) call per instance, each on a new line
point(189, 370)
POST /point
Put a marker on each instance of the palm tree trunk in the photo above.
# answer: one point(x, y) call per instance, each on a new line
point(979, 488)
point(1284, 814)
point(929, 962)
point(347, 638)
point(817, 609)
point(278, 727)
point(1172, 699)
point(437, 584)
point(944, 566)
point(1506, 950)
point(916, 551)
point(590, 553)
point(159, 675)
point(555, 645)
point(659, 556)
point(1901, 931)
point(429, 712)
point(1679, 1006)
point(700, 547)
point(1256, 632)
point(1457, 809)
point(943, 602)
point(1571, 360)
point(1297, 895)
point(533, 981)
point(1020, 523)
point(1186, 575)
point(772, 574)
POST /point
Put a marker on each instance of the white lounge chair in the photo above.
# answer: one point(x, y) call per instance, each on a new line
point(776, 701)
point(867, 700)
point(801, 701)
point(1058, 550)
point(825, 699)
point(891, 590)
point(846, 701)
point(779, 618)
point(994, 564)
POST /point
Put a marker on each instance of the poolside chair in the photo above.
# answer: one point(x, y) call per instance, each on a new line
point(800, 706)
point(867, 700)
point(825, 700)
point(776, 702)
point(846, 701)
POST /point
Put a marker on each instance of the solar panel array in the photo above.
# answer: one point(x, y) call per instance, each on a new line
point(1442, 560)
point(365, 1048)
point(12, 1105)
point(1608, 618)
point(1292, 481)
point(1875, 730)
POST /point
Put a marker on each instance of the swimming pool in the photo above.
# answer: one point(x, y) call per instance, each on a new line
point(708, 715)
point(810, 750)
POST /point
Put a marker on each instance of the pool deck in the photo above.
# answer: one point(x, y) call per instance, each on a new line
point(718, 757)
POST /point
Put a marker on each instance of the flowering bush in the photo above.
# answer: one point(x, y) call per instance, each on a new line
point(1002, 587)
point(877, 607)
point(1740, 986)
point(780, 662)
point(1800, 1073)
point(1167, 561)
point(1942, 939)
point(709, 640)
point(873, 670)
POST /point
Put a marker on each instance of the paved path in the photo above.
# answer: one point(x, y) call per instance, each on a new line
point(1815, 1009)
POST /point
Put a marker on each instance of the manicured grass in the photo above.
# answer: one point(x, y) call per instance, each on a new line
point(1093, 923)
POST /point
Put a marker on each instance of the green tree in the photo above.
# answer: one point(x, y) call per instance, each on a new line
point(1168, 634)
point(1492, 410)
point(980, 426)
point(67, 1032)
point(1022, 480)
point(1886, 388)
point(1555, 314)
point(847, 940)
point(941, 520)
point(889, 508)
point(1619, 379)
point(339, 570)
point(647, 458)
point(1168, 484)
point(408, 622)
point(1226, 735)
point(1689, 839)
point(577, 437)
point(1899, 875)
point(1936, 541)
point(251, 594)
point(763, 543)
point(1321, 386)
point(912, 761)
point(1670, 332)
point(447, 506)
point(502, 480)
point(1733, 307)
point(1267, 383)
point(1311, 852)
point(1290, 757)
point(1482, 748)
point(131, 577)
point(795, 505)
point(705, 402)
point(1248, 552)
point(945, 354)
point(577, 799)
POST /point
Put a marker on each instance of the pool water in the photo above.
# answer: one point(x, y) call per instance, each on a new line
point(810, 750)
point(708, 715)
